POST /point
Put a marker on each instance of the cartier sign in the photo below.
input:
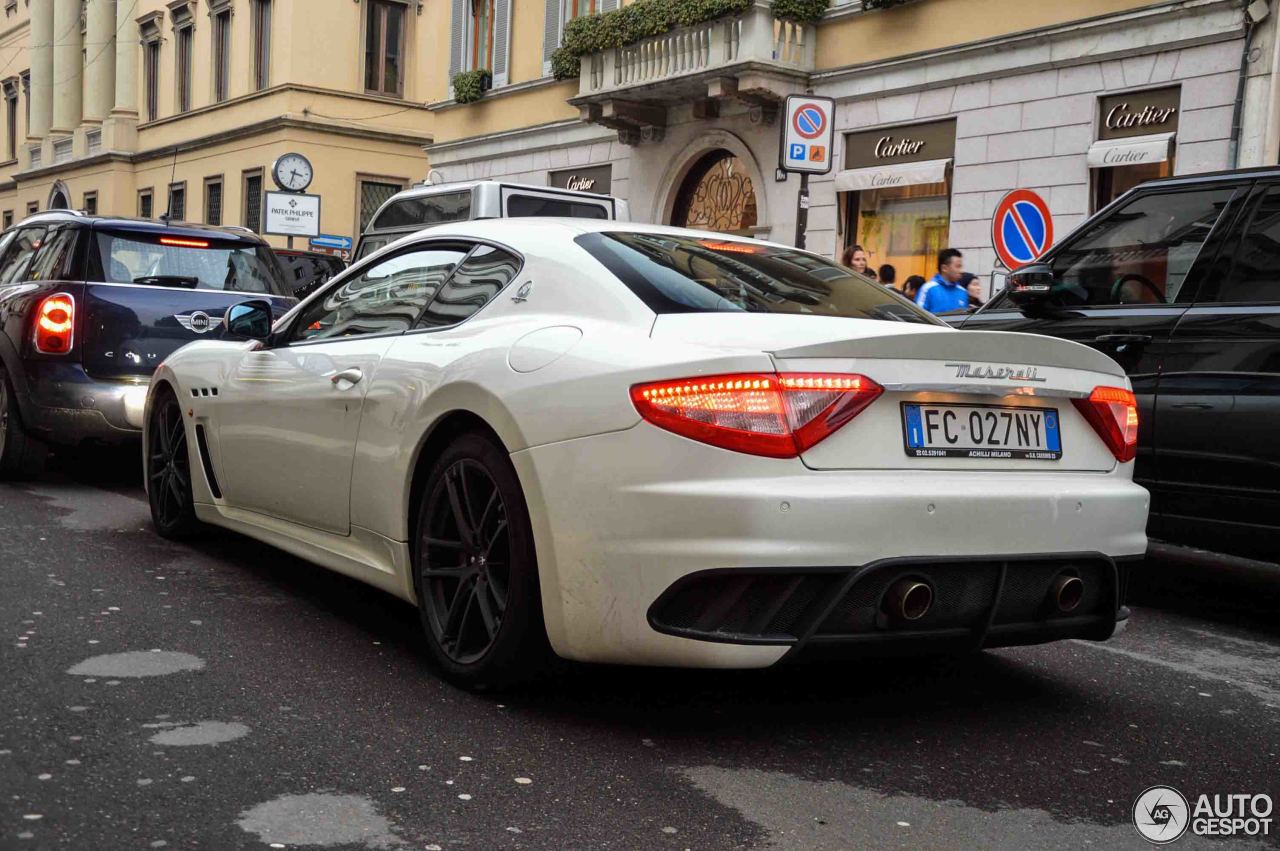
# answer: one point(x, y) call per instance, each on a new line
point(587, 179)
point(1139, 113)
point(896, 145)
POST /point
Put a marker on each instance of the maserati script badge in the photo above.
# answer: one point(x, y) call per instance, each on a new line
point(996, 373)
point(197, 321)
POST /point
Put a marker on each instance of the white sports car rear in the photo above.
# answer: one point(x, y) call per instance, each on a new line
point(647, 445)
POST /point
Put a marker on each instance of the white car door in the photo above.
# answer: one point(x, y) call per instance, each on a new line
point(290, 413)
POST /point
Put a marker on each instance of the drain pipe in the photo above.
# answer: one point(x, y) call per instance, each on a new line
point(1255, 12)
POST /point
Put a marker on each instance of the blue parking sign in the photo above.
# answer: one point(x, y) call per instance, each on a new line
point(797, 152)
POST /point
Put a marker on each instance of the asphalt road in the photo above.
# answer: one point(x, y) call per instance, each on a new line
point(226, 695)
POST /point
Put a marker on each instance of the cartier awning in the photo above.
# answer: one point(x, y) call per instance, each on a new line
point(891, 176)
point(1134, 150)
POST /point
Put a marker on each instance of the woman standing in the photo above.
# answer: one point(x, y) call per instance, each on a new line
point(855, 257)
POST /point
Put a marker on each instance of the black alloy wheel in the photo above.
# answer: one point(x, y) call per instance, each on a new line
point(169, 470)
point(475, 568)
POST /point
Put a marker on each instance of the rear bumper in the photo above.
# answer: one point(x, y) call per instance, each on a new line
point(65, 405)
point(621, 518)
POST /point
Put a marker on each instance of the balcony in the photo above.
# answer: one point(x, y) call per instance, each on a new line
point(749, 57)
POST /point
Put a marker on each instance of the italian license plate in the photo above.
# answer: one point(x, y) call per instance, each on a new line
point(981, 431)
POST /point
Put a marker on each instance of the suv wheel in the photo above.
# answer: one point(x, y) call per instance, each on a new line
point(21, 455)
point(169, 469)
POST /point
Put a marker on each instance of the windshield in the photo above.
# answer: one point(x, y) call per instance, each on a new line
point(684, 274)
point(190, 262)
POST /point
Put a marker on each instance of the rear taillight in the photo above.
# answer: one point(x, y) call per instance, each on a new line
point(1113, 413)
point(778, 415)
point(55, 324)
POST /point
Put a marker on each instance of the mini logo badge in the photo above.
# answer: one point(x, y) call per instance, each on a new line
point(197, 321)
point(1161, 815)
point(996, 373)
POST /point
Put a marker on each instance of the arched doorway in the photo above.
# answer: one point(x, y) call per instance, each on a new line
point(717, 194)
point(59, 198)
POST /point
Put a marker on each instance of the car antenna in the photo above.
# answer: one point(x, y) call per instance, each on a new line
point(168, 204)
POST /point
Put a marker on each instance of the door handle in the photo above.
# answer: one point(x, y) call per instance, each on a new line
point(351, 376)
point(1121, 339)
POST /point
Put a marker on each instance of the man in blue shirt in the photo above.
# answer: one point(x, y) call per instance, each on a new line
point(944, 292)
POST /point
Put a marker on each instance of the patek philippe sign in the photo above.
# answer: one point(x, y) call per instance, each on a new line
point(596, 179)
point(899, 145)
point(291, 214)
point(1139, 113)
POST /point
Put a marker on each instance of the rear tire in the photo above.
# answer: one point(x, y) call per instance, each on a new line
point(21, 456)
point(168, 470)
point(475, 569)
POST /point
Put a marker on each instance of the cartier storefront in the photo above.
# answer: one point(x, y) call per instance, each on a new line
point(1136, 139)
point(895, 194)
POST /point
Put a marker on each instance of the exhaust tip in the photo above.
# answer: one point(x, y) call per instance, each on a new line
point(910, 599)
point(1067, 592)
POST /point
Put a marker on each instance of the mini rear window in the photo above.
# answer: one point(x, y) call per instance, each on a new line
point(686, 274)
point(185, 261)
point(425, 210)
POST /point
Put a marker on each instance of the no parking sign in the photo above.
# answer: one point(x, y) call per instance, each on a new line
point(1022, 228)
point(807, 134)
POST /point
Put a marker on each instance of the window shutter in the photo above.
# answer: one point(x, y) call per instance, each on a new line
point(550, 34)
point(457, 39)
point(501, 40)
point(608, 5)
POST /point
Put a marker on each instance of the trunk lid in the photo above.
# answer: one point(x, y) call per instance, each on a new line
point(925, 368)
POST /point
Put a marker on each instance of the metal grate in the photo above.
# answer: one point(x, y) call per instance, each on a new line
point(213, 202)
point(373, 195)
point(253, 202)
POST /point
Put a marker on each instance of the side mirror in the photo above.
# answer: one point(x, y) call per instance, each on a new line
point(1030, 286)
point(248, 320)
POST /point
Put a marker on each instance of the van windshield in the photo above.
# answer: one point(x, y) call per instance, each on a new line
point(687, 274)
point(179, 260)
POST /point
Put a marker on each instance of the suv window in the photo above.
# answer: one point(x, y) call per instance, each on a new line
point(1139, 254)
point(18, 254)
point(536, 205)
point(474, 285)
point(682, 274)
point(1254, 276)
point(176, 260)
point(385, 298)
point(57, 252)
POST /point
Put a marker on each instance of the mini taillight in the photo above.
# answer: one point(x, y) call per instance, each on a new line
point(777, 415)
point(183, 243)
point(1113, 413)
point(55, 324)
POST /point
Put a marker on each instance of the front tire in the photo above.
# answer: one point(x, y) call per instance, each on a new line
point(21, 456)
point(168, 470)
point(476, 570)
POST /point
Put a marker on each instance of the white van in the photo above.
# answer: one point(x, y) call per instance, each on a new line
point(422, 206)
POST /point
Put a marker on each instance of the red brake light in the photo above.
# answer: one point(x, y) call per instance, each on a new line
point(1113, 413)
point(183, 243)
point(55, 324)
point(770, 414)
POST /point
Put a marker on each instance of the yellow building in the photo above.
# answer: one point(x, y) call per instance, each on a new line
point(942, 106)
point(138, 107)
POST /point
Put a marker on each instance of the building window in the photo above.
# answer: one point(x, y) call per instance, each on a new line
point(580, 8)
point(213, 200)
point(480, 35)
point(384, 48)
point(261, 44)
point(11, 118)
point(373, 194)
point(177, 202)
point(221, 55)
point(145, 207)
point(182, 52)
point(33, 207)
point(91, 203)
point(252, 214)
point(151, 73)
point(8, 219)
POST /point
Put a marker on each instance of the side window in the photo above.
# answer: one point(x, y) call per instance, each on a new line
point(17, 256)
point(474, 285)
point(54, 260)
point(387, 297)
point(537, 205)
point(1256, 273)
point(1141, 253)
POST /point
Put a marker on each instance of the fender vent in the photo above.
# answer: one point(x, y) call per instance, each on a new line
point(203, 447)
point(197, 392)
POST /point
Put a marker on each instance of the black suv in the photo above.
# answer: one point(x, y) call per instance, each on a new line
point(1179, 281)
point(90, 306)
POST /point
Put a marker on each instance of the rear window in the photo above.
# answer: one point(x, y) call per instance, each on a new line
point(180, 260)
point(681, 274)
point(536, 205)
point(425, 210)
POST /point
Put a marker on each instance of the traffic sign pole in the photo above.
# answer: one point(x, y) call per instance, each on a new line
point(806, 147)
point(802, 210)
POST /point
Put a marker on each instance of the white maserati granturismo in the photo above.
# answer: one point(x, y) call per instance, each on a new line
point(648, 445)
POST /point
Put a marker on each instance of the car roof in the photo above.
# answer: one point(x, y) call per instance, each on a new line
point(127, 223)
point(532, 231)
point(1226, 176)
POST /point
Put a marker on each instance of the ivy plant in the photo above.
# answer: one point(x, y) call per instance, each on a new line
point(800, 11)
point(470, 86)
